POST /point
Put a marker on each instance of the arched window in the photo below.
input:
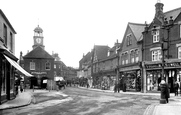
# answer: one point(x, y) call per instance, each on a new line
point(47, 65)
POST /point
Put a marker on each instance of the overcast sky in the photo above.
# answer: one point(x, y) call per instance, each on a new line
point(73, 27)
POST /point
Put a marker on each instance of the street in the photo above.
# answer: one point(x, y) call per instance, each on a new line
point(78, 101)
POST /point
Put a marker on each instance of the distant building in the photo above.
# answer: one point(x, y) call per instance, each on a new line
point(38, 62)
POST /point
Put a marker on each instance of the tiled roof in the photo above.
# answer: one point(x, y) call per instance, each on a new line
point(174, 13)
point(101, 51)
point(137, 29)
point(87, 57)
point(38, 53)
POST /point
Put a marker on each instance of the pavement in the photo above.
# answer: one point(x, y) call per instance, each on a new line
point(171, 108)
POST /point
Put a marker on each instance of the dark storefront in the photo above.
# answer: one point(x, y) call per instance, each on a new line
point(172, 73)
point(131, 77)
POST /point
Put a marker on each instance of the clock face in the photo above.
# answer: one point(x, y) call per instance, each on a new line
point(38, 40)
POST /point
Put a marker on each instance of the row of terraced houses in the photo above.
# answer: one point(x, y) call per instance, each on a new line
point(139, 61)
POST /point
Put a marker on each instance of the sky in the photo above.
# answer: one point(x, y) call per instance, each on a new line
point(71, 28)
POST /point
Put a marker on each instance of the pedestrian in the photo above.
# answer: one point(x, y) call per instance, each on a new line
point(21, 87)
point(115, 87)
point(166, 91)
point(176, 86)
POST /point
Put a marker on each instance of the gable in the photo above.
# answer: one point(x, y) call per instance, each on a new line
point(125, 46)
point(38, 53)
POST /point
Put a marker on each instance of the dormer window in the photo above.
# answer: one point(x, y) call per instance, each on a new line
point(156, 36)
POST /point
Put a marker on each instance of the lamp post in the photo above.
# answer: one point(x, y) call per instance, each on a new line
point(164, 46)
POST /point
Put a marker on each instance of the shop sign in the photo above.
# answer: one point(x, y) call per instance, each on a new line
point(153, 66)
point(39, 73)
point(174, 64)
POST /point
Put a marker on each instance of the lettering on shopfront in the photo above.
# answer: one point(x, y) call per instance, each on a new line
point(38, 73)
point(175, 64)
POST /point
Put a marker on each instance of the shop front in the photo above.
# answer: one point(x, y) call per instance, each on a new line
point(131, 78)
point(104, 79)
point(38, 79)
point(172, 73)
point(8, 68)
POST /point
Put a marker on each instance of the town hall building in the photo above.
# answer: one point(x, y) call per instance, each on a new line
point(38, 62)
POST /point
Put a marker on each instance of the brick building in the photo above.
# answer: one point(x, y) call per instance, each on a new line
point(131, 56)
point(162, 38)
point(8, 61)
point(38, 62)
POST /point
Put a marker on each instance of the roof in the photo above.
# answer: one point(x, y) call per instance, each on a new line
point(38, 29)
point(101, 51)
point(137, 29)
point(174, 13)
point(87, 57)
point(5, 18)
point(38, 52)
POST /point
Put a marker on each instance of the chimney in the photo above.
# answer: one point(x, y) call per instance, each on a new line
point(21, 55)
point(159, 11)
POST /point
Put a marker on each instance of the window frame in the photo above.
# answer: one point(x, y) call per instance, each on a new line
point(156, 36)
point(129, 39)
point(156, 55)
point(32, 65)
point(48, 64)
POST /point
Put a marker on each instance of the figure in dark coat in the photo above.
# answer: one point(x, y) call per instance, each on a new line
point(165, 90)
point(176, 86)
point(21, 87)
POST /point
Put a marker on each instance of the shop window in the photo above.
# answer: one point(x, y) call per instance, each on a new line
point(156, 36)
point(47, 65)
point(179, 52)
point(156, 55)
point(32, 65)
point(11, 78)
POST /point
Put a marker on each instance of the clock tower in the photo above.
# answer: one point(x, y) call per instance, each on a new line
point(38, 37)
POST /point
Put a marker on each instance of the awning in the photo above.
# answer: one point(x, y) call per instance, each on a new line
point(58, 78)
point(17, 66)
